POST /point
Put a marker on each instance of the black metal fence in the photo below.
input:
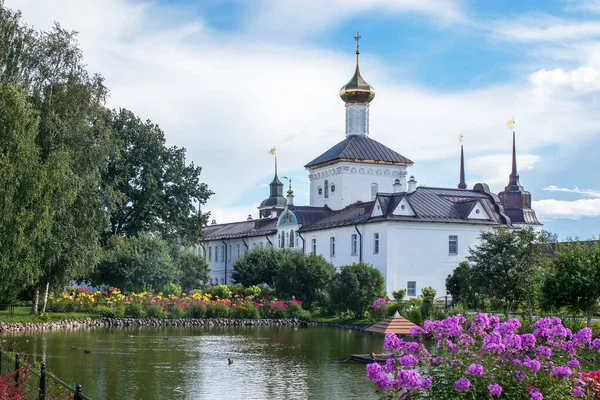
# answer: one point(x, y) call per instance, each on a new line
point(41, 383)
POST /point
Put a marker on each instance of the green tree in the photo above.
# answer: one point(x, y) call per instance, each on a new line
point(193, 268)
point(156, 190)
point(307, 277)
point(459, 284)
point(428, 298)
point(357, 287)
point(505, 264)
point(24, 213)
point(258, 266)
point(574, 278)
point(136, 263)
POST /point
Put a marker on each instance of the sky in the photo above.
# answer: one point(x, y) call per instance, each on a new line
point(229, 80)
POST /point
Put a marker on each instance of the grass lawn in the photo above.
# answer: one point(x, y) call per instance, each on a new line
point(23, 314)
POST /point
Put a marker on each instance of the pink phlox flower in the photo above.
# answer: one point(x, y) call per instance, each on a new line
point(520, 375)
point(416, 331)
point(408, 361)
point(544, 351)
point(577, 392)
point(392, 342)
point(475, 370)
point(533, 365)
point(573, 363)
point(535, 394)
point(462, 385)
point(528, 340)
point(583, 336)
point(494, 390)
point(562, 371)
point(595, 345)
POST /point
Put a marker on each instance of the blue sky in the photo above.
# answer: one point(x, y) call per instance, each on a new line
point(228, 80)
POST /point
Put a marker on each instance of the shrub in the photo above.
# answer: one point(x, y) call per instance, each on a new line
point(106, 312)
point(378, 310)
point(428, 295)
point(217, 310)
point(399, 295)
point(596, 329)
point(156, 311)
point(294, 309)
point(171, 288)
point(176, 312)
point(252, 291)
point(220, 291)
point(135, 311)
point(276, 309)
point(197, 311)
point(244, 311)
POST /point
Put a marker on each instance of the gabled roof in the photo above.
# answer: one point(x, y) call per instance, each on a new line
point(234, 230)
point(352, 214)
point(360, 149)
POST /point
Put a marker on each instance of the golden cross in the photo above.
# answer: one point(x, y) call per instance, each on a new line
point(357, 38)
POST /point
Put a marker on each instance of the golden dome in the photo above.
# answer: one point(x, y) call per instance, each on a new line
point(357, 91)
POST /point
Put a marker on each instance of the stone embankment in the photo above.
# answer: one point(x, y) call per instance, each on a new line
point(139, 322)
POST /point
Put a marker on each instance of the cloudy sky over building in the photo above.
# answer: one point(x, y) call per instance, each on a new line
point(229, 80)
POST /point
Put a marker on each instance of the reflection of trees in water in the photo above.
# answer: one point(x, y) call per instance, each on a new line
point(269, 362)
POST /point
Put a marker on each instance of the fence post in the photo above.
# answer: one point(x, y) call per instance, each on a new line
point(77, 393)
point(42, 395)
point(17, 367)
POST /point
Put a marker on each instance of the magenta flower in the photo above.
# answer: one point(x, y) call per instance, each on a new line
point(494, 390)
point(535, 394)
point(475, 370)
point(462, 385)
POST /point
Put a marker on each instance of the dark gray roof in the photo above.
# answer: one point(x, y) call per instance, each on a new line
point(234, 230)
point(428, 204)
point(308, 215)
point(360, 148)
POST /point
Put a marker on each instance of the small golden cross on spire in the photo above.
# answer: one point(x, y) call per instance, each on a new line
point(357, 38)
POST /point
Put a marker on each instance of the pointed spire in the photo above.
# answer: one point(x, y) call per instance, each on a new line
point(514, 176)
point(462, 184)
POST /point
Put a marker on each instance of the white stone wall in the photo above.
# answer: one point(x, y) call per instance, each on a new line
point(352, 182)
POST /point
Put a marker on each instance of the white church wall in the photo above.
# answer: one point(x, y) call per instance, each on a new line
point(353, 182)
point(419, 252)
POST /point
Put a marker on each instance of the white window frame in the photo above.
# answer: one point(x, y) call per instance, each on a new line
point(376, 243)
point(209, 253)
point(453, 245)
point(332, 246)
point(353, 244)
point(374, 190)
point(414, 289)
point(217, 254)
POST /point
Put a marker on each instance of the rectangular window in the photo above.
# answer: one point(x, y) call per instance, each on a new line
point(314, 246)
point(216, 254)
point(223, 253)
point(238, 251)
point(261, 245)
point(331, 247)
point(209, 253)
point(374, 189)
point(453, 245)
point(354, 244)
point(376, 243)
point(229, 252)
point(411, 288)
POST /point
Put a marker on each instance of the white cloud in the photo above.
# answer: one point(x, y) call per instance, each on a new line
point(550, 209)
point(232, 214)
point(228, 99)
point(543, 28)
point(494, 169)
point(306, 17)
point(585, 192)
point(583, 79)
point(583, 5)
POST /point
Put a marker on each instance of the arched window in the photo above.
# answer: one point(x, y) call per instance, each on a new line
point(374, 190)
point(326, 188)
point(292, 238)
point(282, 240)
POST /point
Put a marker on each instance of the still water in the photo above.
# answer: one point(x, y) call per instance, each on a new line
point(268, 363)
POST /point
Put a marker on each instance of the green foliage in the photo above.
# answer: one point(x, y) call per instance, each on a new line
point(176, 312)
point(258, 266)
point(505, 265)
point(294, 310)
point(193, 269)
point(357, 287)
point(247, 311)
point(428, 296)
point(399, 295)
point(106, 312)
point(220, 291)
point(217, 310)
point(459, 284)
point(307, 277)
point(252, 291)
point(574, 280)
point(155, 311)
point(197, 311)
point(170, 288)
point(134, 263)
point(157, 190)
point(135, 310)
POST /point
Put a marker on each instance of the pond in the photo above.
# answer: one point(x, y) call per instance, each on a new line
point(191, 363)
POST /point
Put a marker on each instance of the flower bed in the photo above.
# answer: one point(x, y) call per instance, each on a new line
point(488, 358)
point(111, 303)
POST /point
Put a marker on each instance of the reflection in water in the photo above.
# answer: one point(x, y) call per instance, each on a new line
point(268, 363)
